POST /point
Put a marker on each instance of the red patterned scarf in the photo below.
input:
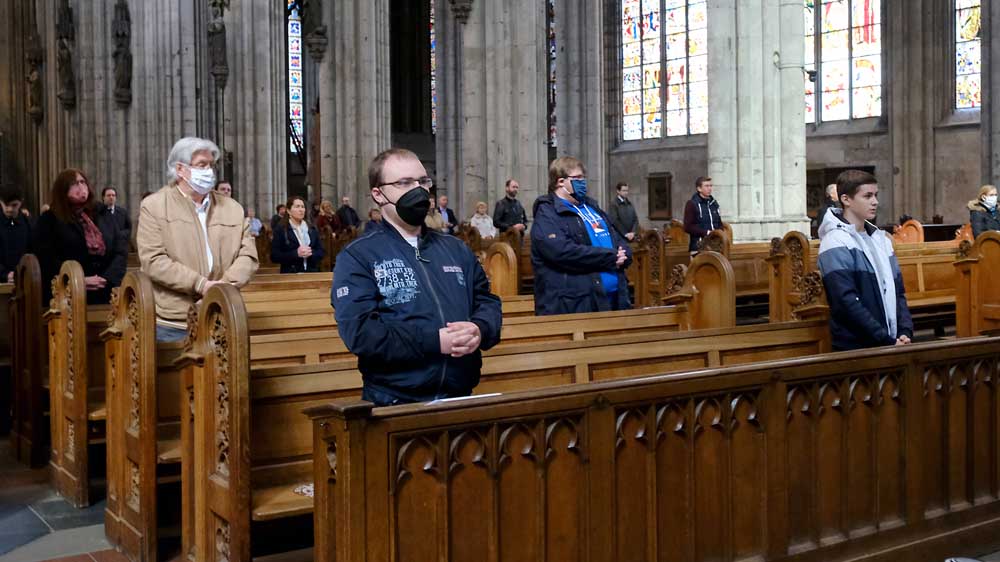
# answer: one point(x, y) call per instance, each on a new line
point(92, 234)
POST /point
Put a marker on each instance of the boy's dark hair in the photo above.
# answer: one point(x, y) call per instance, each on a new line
point(849, 181)
point(701, 180)
point(105, 190)
point(620, 185)
point(280, 207)
point(11, 193)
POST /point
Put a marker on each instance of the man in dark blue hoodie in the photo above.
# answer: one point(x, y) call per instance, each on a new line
point(15, 233)
point(701, 213)
point(577, 255)
point(414, 305)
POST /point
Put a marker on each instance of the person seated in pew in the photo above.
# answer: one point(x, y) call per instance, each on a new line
point(191, 237)
point(15, 233)
point(983, 211)
point(374, 220)
point(483, 222)
point(74, 229)
point(254, 223)
point(328, 217)
point(864, 286)
point(412, 303)
point(578, 257)
point(434, 220)
point(296, 245)
point(279, 213)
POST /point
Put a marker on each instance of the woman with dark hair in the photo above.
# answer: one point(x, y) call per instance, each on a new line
point(296, 245)
point(72, 229)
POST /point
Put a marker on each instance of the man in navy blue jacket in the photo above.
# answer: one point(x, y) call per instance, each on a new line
point(414, 305)
point(864, 287)
point(577, 255)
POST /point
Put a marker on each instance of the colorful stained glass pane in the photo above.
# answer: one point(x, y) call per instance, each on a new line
point(668, 4)
point(295, 110)
point(677, 123)
point(675, 21)
point(834, 46)
point(968, 91)
point(698, 42)
point(865, 12)
point(631, 79)
point(676, 96)
point(295, 95)
point(294, 45)
point(651, 100)
point(867, 71)
point(632, 127)
point(295, 28)
point(677, 71)
point(631, 54)
point(699, 120)
point(968, 58)
point(651, 25)
point(697, 16)
point(295, 78)
point(698, 94)
point(810, 107)
point(810, 50)
point(834, 15)
point(651, 76)
point(652, 128)
point(836, 106)
point(295, 62)
point(630, 29)
point(967, 24)
point(867, 102)
point(651, 49)
point(632, 103)
point(866, 40)
point(810, 18)
point(835, 76)
point(698, 69)
point(676, 46)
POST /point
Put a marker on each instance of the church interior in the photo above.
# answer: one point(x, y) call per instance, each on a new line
point(718, 416)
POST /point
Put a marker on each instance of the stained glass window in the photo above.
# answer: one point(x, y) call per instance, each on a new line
point(843, 50)
point(968, 54)
point(434, 99)
point(295, 101)
point(664, 68)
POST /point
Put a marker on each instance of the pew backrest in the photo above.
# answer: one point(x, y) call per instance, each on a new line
point(501, 267)
point(977, 300)
point(29, 430)
point(709, 290)
point(910, 232)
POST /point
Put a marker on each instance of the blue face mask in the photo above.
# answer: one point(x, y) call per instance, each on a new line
point(579, 189)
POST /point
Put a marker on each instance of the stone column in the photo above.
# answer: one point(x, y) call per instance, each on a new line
point(990, 112)
point(493, 112)
point(756, 132)
point(581, 90)
point(354, 96)
point(256, 103)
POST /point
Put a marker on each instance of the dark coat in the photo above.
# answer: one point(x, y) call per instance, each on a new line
point(982, 219)
point(285, 247)
point(120, 217)
point(623, 216)
point(391, 300)
point(55, 242)
point(507, 213)
point(567, 267)
point(15, 241)
point(348, 217)
point(701, 216)
point(449, 217)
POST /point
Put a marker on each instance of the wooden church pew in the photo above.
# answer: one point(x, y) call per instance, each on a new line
point(842, 457)
point(29, 433)
point(252, 474)
point(977, 300)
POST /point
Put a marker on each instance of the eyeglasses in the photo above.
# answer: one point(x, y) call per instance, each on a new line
point(409, 183)
point(576, 177)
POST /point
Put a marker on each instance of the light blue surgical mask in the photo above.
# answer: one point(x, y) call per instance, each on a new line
point(990, 201)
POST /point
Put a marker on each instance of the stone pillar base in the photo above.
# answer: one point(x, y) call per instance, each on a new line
point(763, 230)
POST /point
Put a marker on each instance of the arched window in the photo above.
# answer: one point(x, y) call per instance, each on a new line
point(968, 54)
point(664, 60)
point(843, 52)
point(296, 142)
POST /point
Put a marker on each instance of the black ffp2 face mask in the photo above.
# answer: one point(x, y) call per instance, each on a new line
point(413, 206)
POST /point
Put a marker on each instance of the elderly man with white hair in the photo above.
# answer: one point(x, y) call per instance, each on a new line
point(190, 237)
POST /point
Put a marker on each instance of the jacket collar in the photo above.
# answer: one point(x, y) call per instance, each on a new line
point(556, 202)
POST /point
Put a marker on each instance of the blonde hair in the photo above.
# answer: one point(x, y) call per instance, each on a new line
point(983, 191)
point(560, 168)
point(326, 207)
point(481, 204)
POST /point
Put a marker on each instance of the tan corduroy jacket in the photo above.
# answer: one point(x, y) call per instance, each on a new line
point(172, 249)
